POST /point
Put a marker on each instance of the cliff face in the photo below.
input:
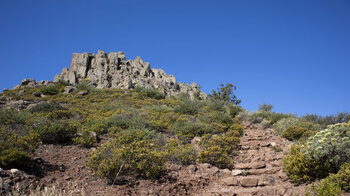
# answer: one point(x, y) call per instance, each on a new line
point(115, 71)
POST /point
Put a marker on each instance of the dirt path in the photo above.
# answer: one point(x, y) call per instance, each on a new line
point(258, 167)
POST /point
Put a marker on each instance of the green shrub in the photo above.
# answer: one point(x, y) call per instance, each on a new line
point(128, 154)
point(46, 107)
point(234, 110)
point(143, 93)
point(15, 150)
point(265, 107)
point(216, 156)
point(86, 85)
point(59, 114)
point(86, 138)
point(294, 133)
point(285, 123)
point(187, 130)
point(128, 121)
point(49, 90)
point(300, 169)
point(180, 153)
point(273, 117)
point(188, 107)
point(342, 117)
point(56, 132)
point(12, 117)
point(217, 105)
point(334, 183)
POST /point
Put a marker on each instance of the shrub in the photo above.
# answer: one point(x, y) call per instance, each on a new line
point(187, 130)
point(334, 183)
point(180, 153)
point(46, 107)
point(128, 154)
point(285, 123)
point(216, 105)
point(330, 145)
point(300, 169)
point(12, 117)
point(273, 117)
point(15, 149)
point(59, 114)
point(234, 110)
point(188, 107)
point(328, 119)
point(143, 93)
point(56, 132)
point(49, 90)
point(127, 121)
point(265, 107)
point(294, 133)
point(216, 156)
point(86, 138)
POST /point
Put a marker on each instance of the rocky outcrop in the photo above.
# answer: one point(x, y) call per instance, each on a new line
point(115, 71)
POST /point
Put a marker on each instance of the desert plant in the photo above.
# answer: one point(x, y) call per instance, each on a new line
point(216, 156)
point(333, 184)
point(86, 138)
point(49, 90)
point(46, 107)
point(143, 93)
point(186, 130)
point(180, 153)
point(128, 154)
point(294, 133)
point(188, 107)
point(56, 132)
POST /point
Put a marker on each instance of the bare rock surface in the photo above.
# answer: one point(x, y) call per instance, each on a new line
point(115, 71)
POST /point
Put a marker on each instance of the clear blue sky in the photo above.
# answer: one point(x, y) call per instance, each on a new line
point(294, 55)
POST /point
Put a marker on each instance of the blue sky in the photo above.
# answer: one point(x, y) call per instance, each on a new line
point(294, 55)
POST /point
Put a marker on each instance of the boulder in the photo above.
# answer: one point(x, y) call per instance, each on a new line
point(249, 182)
point(83, 93)
point(230, 181)
point(69, 89)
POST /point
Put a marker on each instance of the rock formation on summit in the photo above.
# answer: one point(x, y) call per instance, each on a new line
point(115, 71)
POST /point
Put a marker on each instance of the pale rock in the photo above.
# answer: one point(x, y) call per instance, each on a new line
point(114, 71)
point(249, 182)
point(83, 93)
point(230, 181)
point(236, 172)
point(14, 171)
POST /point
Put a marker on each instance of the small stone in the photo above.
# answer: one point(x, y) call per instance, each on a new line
point(225, 172)
point(230, 181)
point(283, 176)
point(83, 93)
point(213, 170)
point(249, 182)
point(67, 178)
point(14, 171)
point(273, 144)
point(236, 172)
point(192, 169)
point(21, 92)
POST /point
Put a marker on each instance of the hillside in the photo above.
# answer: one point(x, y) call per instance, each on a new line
point(111, 126)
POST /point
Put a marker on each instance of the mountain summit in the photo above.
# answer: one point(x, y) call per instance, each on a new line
point(115, 71)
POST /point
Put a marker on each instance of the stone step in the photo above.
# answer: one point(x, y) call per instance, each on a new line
point(268, 190)
point(253, 165)
point(249, 181)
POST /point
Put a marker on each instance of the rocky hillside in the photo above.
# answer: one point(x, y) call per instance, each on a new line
point(115, 71)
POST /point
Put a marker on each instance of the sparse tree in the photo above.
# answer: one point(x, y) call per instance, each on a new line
point(225, 93)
